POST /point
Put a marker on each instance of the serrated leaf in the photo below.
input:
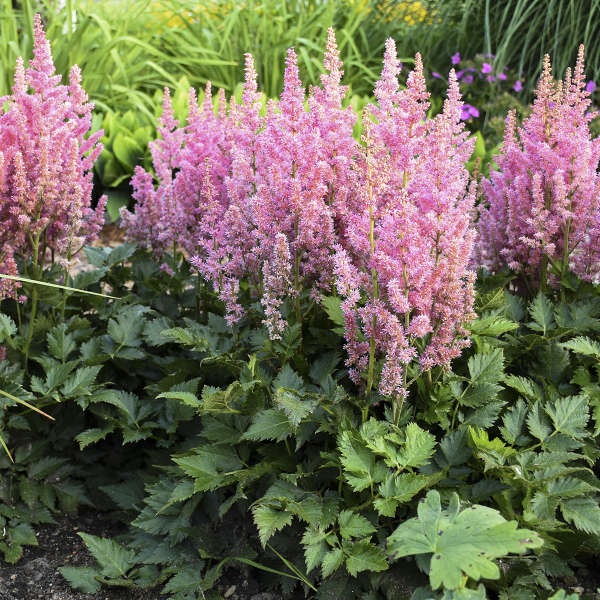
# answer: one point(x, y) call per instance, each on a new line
point(361, 469)
point(295, 407)
point(333, 308)
point(91, 436)
point(584, 513)
point(81, 382)
point(526, 387)
point(542, 313)
point(538, 423)
point(459, 542)
point(418, 447)
point(398, 489)
point(332, 561)
point(270, 424)
point(83, 579)
point(583, 345)
point(22, 535)
point(7, 327)
point(269, 521)
point(114, 560)
point(365, 556)
point(570, 415)
point(60, 343)
point(187, 398)
point(514, 422)
point(487, 367)
point(353, 525)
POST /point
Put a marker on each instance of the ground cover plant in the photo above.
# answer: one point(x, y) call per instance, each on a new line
point(291, 365)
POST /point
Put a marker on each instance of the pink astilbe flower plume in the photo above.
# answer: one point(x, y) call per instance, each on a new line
point(45, 164)
point(404, 279)
point(541, 214)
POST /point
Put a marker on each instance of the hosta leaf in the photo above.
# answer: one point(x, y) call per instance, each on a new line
point(584, 513)
point(268, 520)
point(83, 579)
point(460, 542)
point(365, 556)
point(353, 525)
point(113, 559)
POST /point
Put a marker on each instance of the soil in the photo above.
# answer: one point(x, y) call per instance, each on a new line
point(36, 575)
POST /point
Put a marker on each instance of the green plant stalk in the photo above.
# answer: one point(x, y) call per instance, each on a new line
point(375, 283)
point(34, 300)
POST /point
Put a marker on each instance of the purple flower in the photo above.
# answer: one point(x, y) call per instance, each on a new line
point(501, 76)
point(436, 75)
point(591, 86)
point(518, 86)
point(471, 69)
point(456, 58)
point(486, 68)
point(468, 111)
point(468, 79)
point(459, 74)
point(491, 78)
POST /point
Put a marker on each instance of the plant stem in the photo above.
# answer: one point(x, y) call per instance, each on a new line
point(34, 304)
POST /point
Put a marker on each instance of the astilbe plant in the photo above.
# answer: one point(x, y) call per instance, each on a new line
point(292, 205)
point(45, 166)
point(404, 278)
point(540, 215)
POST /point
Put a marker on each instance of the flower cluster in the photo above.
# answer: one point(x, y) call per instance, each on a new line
point(404, 274)
point(289, 203)
point(541, 215)
point(45, 165)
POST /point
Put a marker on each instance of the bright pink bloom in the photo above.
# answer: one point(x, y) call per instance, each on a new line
point(542, 207)
point(404, 278)
point(45, 164)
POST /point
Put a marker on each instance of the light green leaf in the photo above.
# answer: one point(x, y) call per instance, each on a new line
point(268, 520)
point(466, 541)
point(332, 561)
point(583, 345)
point(114, 560)
point(365, 556)
point(353, 525)
point(270, 424)
point(583, 512)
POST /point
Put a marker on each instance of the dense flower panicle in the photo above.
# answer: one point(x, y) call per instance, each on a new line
point(291, 204)
point(45, 163)
point(338, 146)
point(541, 207)
point(410, 246)
point(159, 220)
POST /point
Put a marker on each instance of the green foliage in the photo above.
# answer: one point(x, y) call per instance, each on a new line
point(459, 544)
point(186, 428)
